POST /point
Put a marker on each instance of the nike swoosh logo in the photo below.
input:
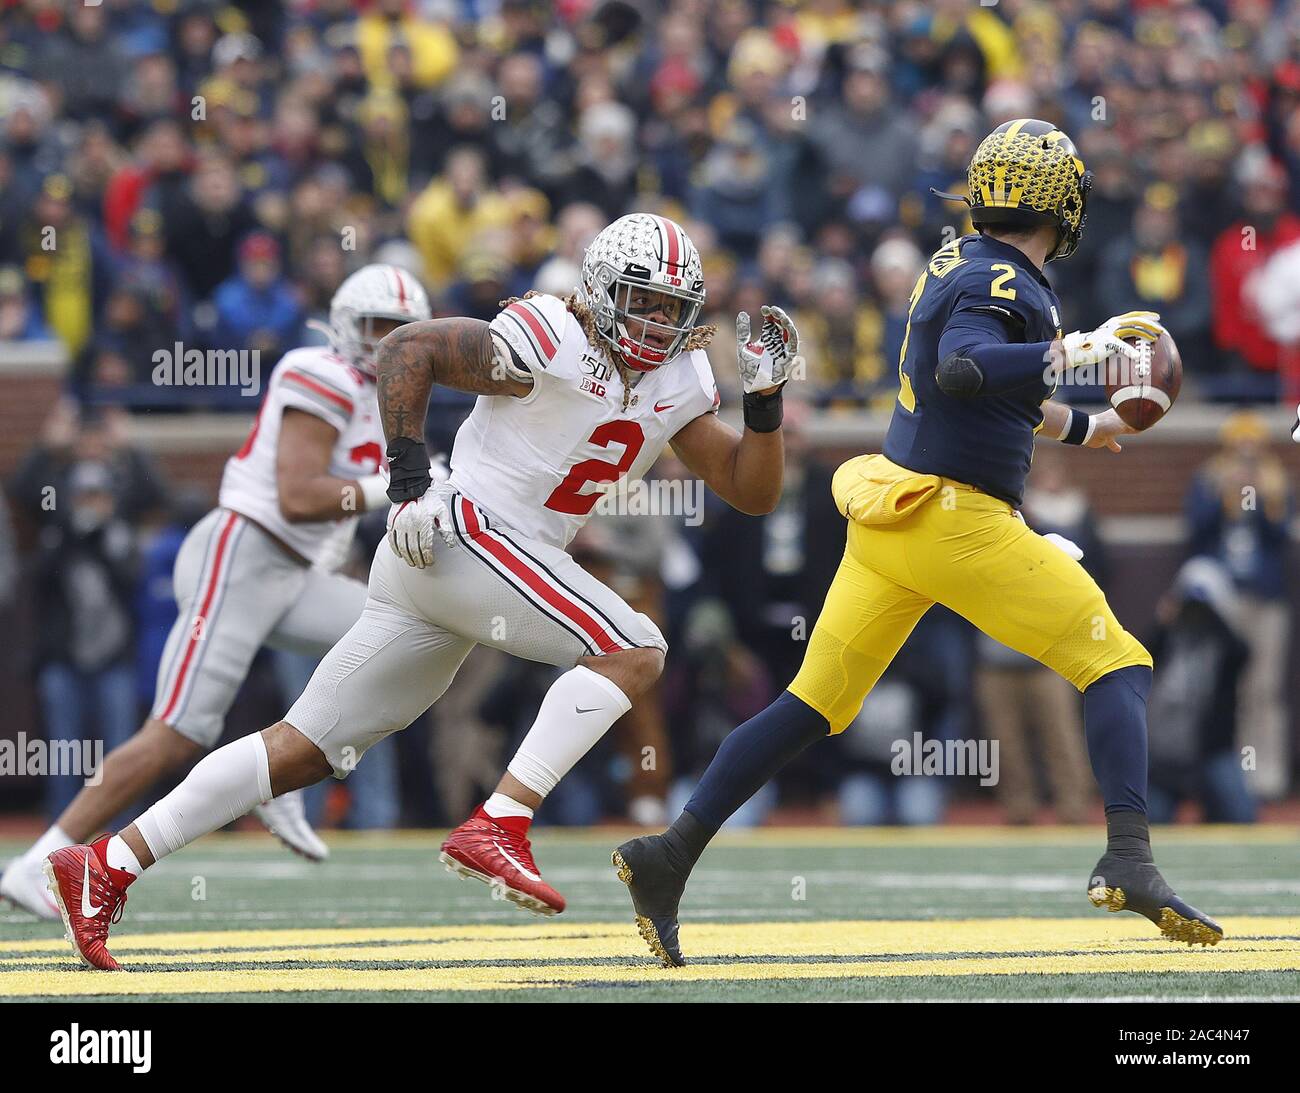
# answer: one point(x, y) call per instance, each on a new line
point(87, 908)
point(579, 709)
point(661, 407)
point(506, 854)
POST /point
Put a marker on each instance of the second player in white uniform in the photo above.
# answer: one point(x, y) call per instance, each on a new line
point(575, 396)
point(317, 381)
point(257, 570)
point(248, 575)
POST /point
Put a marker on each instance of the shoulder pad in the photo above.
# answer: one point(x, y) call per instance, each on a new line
point(533, 330)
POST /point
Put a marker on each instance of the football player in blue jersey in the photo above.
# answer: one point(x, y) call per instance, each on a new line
point(934, 520)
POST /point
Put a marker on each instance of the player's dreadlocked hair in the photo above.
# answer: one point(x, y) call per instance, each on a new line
point(699, 338)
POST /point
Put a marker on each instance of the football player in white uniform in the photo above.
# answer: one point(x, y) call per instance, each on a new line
point(575, 395)
point(256, 569)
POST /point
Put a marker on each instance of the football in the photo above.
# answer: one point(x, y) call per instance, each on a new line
point(1142, 391)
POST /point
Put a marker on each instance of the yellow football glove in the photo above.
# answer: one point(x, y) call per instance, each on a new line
point(1094, 346)
point(1135, 324)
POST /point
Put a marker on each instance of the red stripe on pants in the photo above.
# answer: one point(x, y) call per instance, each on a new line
point(200, 620)
point(533, 580)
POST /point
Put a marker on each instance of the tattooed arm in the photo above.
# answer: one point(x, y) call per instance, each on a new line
point(456, 353)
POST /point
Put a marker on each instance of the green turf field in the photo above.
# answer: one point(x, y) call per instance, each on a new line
point(807, 914)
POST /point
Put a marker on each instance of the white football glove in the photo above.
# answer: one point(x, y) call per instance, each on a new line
point(412, 526)
point(1295, 429)
point(765, 362)
point(1094, 346)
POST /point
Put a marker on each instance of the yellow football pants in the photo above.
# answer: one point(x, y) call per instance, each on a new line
point(916, 540)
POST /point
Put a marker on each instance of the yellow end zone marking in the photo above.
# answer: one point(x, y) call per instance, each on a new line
point(1088, 946)
point(579, 940)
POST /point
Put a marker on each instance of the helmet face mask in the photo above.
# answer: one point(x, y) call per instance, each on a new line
point(650, 325)
point(1070, 236)
point(642, 281)
point(363, 333)
point(1027, 173)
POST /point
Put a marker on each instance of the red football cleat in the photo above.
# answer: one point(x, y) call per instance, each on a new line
point(497, 852)
point(90, 894)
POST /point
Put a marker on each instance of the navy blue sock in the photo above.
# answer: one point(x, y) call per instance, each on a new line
point(748, 759)
point(1115, 723)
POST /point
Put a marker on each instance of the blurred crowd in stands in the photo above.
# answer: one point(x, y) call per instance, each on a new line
point(208, 172)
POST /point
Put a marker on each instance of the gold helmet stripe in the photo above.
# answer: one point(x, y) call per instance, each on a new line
point(1000, 184)
point(1015, 128)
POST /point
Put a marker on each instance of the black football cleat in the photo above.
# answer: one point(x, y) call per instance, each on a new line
point(1119, 884)
point(656, 888)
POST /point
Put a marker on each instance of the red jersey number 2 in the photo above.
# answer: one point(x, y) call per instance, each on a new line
point(566, 496)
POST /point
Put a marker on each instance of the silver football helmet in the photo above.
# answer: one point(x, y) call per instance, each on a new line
point(373, 292)
point(644, 284)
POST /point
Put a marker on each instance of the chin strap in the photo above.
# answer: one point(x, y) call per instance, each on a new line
point(952, 197)
point(324, 328)
point(332, 335)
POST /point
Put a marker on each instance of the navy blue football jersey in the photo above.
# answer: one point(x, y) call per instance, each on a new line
point(988, 441)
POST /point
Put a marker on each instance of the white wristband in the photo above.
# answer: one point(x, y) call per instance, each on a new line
point(374, 491)
point(1092, 427)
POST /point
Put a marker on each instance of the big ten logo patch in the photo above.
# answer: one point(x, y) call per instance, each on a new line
point(594, 386)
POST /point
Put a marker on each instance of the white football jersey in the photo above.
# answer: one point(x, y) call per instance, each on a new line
point(540, 463)
point(320, 383)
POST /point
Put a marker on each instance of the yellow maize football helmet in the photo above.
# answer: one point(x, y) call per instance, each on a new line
point(1025, 173)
